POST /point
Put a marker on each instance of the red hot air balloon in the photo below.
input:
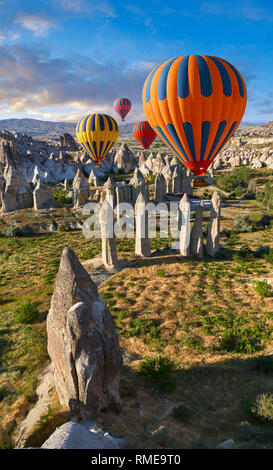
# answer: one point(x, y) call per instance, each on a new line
point(194, 103)
point(144, 134)
point(122, 107)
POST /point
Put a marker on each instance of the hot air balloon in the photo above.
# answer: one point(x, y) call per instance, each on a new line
point(122, 106)
point(97, 133)
point(194, 103)
point(144, 134)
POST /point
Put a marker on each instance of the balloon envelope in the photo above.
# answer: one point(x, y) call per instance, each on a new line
point(144, 134)
point(97, 133)
point(194, 103)
point(122, 106)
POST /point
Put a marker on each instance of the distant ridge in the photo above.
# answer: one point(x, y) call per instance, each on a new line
point(52, 129)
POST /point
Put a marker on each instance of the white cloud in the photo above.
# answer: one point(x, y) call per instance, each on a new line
point(32, 81)
point(88, 7)
point(38, 25)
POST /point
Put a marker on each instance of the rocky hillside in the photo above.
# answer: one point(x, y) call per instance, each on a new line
point(39, 128)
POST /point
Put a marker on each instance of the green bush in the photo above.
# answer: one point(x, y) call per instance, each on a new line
point(263, 364)
point(143, 326)
point(269, 256)
point(264, 289)
point(244, 340)
point(64, 228)
point(27, 312)
point(181, 412)
point(11, 230)
point(61, 196)
point(268, 195)
point(235, 180)
point(161, 272)
point(156, 367)
point(242, 224)
point(263, 407)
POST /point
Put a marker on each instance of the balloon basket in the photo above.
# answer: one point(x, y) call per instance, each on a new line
point(199, 182)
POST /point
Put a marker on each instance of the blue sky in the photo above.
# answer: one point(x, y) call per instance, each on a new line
point(61, 59)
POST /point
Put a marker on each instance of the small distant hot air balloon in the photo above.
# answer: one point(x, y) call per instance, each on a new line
point(194, 103)
point(97, 133)
point(122, 106)
point(144, 134)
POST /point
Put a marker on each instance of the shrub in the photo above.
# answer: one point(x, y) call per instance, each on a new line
point(61, 197)
point(263, 407)
point(156, 367)
point(143, 326)
point(161, 272)
point(244, 254)
point(64, 228)
point(27, 312)
point(263, 288)
point(269, 256)
point(235, 179)
point(242, 224)
point(244, 340)
point(181, 412)
point(248, 432)
point(268, 195)
point(262, 364)
point(11, 230)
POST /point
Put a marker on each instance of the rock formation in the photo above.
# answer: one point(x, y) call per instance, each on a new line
point(139, 186)
point(212, 245)
point(108, 241)
point(17, 193)
point(110, 192)
point(81, 190)
point(142, 244)
point(160, 188)
point(125, 159)
point(73, 435)
point(43, 197)
point(167, 172)
point(158, 163)
point(68, 142)
point(196, 239)
point(185, 229)
point(82, 343)
point(177, 179)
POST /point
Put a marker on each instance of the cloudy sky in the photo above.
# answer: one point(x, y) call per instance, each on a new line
point(60, 59)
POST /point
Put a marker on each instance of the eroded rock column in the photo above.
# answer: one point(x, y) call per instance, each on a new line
point(212, 245)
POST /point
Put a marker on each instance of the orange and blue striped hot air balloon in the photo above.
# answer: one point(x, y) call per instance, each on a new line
point(144, 134)
point(97, 134)
point(122, 107)
point(194, 103)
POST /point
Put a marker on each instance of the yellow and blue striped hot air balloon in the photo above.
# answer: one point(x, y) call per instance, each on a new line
point(194, 103)
point(97, 133)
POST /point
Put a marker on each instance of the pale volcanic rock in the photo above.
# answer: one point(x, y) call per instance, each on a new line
point(213, 239)
point(82, 343)
point(196, 239)
point(17, 193)
point(81, 190)
point(43, 197)
point(125, 159)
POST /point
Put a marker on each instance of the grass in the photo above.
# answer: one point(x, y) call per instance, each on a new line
point(264, 289)
point(205, 317)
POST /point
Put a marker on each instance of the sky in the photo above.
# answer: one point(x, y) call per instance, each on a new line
point(62, 59)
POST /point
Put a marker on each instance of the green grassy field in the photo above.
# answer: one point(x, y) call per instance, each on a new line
point(210, 318)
